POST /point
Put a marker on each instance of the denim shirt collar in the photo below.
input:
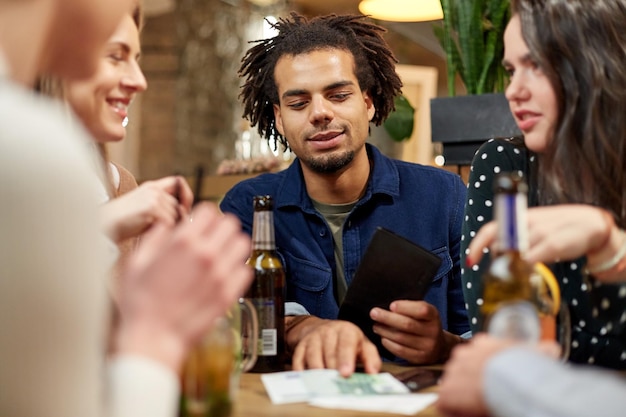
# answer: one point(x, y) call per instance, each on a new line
point(384, 180)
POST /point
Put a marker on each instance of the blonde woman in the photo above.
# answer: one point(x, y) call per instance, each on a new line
point(101, 102)
point(52, 261)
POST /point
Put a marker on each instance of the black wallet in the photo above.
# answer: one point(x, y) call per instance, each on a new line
point(392, 268)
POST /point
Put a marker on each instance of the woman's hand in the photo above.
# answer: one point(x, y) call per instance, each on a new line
point(178, 282)
point(556, 233)
point(163, 201)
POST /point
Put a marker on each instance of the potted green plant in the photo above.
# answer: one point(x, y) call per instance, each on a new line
point(397, 128)
point(472, 38)
point(471, 35)
point(399, 124)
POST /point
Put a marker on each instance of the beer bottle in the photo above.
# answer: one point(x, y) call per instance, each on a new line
point(516, 303)
point(267, 291)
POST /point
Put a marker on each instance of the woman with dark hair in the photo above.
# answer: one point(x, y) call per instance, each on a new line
point(567, 92)
point(573, 154)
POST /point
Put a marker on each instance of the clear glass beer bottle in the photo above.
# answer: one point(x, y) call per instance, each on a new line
point(516, 301)
point(267, 291)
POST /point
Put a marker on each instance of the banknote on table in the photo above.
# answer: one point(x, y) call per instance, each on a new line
point(303, 386)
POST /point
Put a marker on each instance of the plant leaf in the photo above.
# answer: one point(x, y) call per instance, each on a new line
point(472, 39)
point(399, 124)
point(494, 47)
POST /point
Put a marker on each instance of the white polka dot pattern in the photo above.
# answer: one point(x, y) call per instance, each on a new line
point(598, 323)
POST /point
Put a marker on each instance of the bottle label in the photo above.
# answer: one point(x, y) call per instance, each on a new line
point(269, 342)
point(510, 213)
point(515, 320)
point(268, 333)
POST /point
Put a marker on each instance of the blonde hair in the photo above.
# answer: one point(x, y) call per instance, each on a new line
point(56, 88)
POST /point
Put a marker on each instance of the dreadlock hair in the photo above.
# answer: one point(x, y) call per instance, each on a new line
point(374, 64)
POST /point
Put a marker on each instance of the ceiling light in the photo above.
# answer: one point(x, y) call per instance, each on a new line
point(402, 10)
point(263, 3)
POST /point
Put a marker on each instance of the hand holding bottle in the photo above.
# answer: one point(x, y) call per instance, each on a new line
point(561, 232)
point(516, 304)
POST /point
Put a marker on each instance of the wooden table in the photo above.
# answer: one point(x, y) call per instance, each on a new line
point(253, 401)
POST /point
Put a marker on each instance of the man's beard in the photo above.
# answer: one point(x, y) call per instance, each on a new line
point(330, 164)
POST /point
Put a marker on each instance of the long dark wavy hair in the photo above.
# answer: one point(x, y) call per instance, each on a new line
point(374, 64)
point(580, 45)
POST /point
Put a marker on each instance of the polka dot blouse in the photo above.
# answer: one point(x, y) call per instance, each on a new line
point(597, 315)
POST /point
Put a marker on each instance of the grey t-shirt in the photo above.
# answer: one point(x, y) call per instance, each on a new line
point(335, 216)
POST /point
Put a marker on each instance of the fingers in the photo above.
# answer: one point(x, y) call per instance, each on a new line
point(350, 346)
point(182, 278)
point(133, 213)
point(224, 246)
point(336, 345)
point(179, 191)
point(370, 358)
point(308, 354)
point(412, 330)
point(298, 357)
point(333, 355)
point(405, 315)
point(418, 310)
point(151, 243)
point(555, 233)
point(184, 195)
point(204, 215)
point(485, 238)
point(319, 350)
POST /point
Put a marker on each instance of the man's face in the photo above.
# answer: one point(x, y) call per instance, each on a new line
point(78, 34)
point(322, 111)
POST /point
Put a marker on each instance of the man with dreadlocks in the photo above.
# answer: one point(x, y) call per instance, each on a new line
point(314, 88)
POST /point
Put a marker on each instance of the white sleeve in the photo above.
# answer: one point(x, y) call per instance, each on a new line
point(53, 273)
point(140, 387)
point(53, 301)
point(523, 383)
point(294, 309)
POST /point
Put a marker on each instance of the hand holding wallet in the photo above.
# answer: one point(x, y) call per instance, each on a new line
point(392, 268)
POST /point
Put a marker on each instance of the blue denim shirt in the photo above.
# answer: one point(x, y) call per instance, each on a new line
point(423, 204)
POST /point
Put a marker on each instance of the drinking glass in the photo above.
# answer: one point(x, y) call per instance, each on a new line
point(211, 372)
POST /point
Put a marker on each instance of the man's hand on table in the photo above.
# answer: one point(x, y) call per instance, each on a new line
point(334, 344)
point(412, 330)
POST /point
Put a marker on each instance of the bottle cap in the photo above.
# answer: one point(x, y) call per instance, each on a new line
point(262, 202)
point(510, 183)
